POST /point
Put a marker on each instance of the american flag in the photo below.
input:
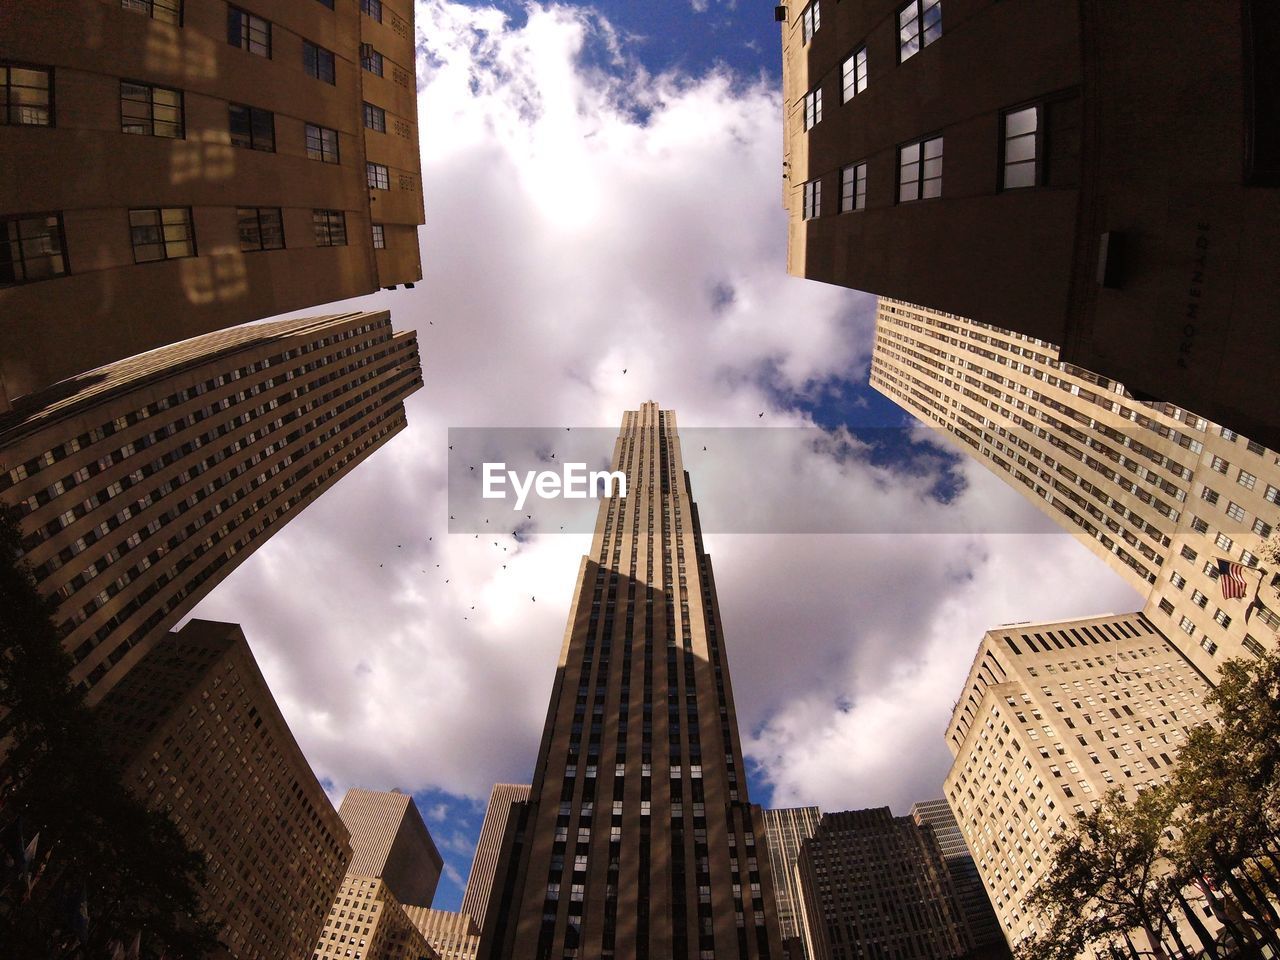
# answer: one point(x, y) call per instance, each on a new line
point(1231, 579)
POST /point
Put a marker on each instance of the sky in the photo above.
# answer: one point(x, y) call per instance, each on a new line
point(605, 227)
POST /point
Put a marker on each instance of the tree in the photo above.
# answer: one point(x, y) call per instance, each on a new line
point(88, 866)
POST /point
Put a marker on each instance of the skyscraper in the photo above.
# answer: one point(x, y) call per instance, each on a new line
point(139, 486)
point(1051, 717)
point(785, 830)
point(475, 900)
point(639, 840)
point(451, 934)
point(272, 158)
point(875, 885)
point(368, 922)
point(200, 737)
point(1156, 491)
point(978, 157)
point(390, 841)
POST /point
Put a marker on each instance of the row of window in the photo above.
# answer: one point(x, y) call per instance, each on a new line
point(919, 24)
point(170, 11)
point(34, 247)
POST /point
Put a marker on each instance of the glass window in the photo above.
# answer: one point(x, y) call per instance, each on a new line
point(920, 170)
point(854, 74)
point(370, 59)
point(331, 228)
point(317, 62)
point(248, 32)
point(252, 127)
point(1246, 479)
point(919, 24)
point(26, 96)
point(161, 233)
point(1021, 148)
point(853, 187)
point(810, 20)
point(150, 111)
point(1236, 512)
point(322, 143)
point(261, 228)
point(166, 11)
point(378, 176)
point(372, 8)
point(812, 199)
point(379, 237)
point(812, 108)
point(32, 247)
point(375, 118)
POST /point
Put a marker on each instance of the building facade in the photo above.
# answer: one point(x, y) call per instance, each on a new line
point(1051, 717)
point(971, 895)
point(785, 830)
point(1159, 493)
point(875, 885)
point(390, 841)
point(982, 158)
point(143, 484)
point(200, 737)
point(272, 150)
point(367, 922)
point(454, 936)
point(475, 901)
point(639, 840)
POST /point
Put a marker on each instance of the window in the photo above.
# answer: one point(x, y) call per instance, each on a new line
point(379, 237)
point(855, 73)
point(26, 96)
point(375, 118)
point(1235, 511)
point(322, 143)
point(810, 20)
point(1209, 646)
point(1253, 646)
point(161, 233)
point(812, 199)
point(853, 187)
point(1272, 495)
point(166, 11)
point(370, 59)
point(1021, 149)
point(31, 248)
point(1246, 479)
point(331, 228)
point(919, 24)
point(150, 111)
point(1166, 606)
point(1199, 599)
point(1177, 579)
point(1187, 626)
point(1224, 542)
point(372, 8)
point(812, 108)
point(378, 176)
point(317, 61)
point(1262, 528)
point(1222, 619)
point(920, 170)
point(1209, 494)
point(261, 228)
point(252, 127)
point(248, 32)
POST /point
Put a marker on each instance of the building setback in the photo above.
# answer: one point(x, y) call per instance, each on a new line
point(785, 829)
point(1159, 493)
point(639, 840)
point(272, 158)
point(454, 936)
point(1056, 168)
point(141, 485)
point(390, 841)
point(367, 922)
point(201, 738)
point(475, 901)
point(875, 885)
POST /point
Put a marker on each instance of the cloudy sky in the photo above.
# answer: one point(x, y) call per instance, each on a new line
point(604, 194)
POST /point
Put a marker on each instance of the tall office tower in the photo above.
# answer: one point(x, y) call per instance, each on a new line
point(1157, 492)
point(785, 829)
point(201, 738)
point(1050, 718)
point(875, 885)
point(639, 840)
point(390, 841)
point(142, 484)
point(475, 900)
point(971, 895)
point(272, 150)
point(978, 157)
point(368, 922)
point(454, 936)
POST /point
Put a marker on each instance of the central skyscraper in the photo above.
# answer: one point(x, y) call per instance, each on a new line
point(638, 840)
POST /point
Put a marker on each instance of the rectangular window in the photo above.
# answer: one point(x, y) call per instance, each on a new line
point(372, 8)
point(919, 24)
point(1236, 512)
point(1166, 605)
point(317, 62)
point(812, 199)
point(1224, 542)
point(812, 108)
point(1222, 619)
point(32, 248)
point(370, 59)
point(375, 118)
point(854, 74)
point(920, 170)
point(379, 237)
point(1252, 645)
point(853, 187)
point(166, 11)
point(252, 127)
point(331, 228)
point(378, 176)
point(1199, 599)
point(1246, 479)
point(161, 233)
point(248, 32)
point(26, 96)
point(322, 143)
point(1272, 495)
point(1209, 646)
point(810, 20)
point(1187, 626)
point(150, 111)
point(1021, 146)
point(261, 228)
